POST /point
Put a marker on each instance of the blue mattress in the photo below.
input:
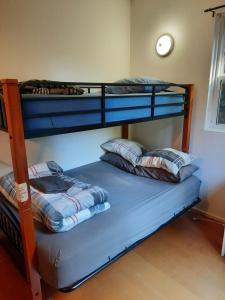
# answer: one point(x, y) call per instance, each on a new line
point(57, 111)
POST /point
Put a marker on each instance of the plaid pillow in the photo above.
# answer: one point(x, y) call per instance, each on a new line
point(129, 150)
point(152, 173)
point(168, 159)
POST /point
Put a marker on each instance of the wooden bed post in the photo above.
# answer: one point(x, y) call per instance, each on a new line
point(125, 131)
point(187, 119)
point(19, 159)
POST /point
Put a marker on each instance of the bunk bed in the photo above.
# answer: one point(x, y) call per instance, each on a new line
point(53, 257)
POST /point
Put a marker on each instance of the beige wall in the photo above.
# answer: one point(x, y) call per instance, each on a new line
point(189, 63)
point(76, 40)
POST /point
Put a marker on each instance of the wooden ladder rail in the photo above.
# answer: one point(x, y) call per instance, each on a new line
point(12, 103)
point(187, 118)
point(125, 131)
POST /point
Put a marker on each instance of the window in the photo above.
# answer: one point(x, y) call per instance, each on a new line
point(215, 114)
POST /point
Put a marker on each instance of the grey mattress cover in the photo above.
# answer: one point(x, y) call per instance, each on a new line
point(138, 207)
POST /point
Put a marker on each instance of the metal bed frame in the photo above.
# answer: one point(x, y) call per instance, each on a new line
point(12, 112)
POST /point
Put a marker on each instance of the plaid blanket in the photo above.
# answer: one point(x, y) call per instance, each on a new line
point(47, 87)
point(62, 211)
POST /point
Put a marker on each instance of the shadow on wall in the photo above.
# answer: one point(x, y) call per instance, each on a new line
point(169, 133)
point(5, 168)
point(68, 150)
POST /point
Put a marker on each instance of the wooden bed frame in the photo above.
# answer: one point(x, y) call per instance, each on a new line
point(11, 96)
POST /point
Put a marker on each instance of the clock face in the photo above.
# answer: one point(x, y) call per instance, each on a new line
point(164, 45)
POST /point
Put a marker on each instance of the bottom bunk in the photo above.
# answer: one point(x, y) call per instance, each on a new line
point(139, 207)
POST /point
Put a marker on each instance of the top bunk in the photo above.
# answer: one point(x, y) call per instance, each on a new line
point(65, 107)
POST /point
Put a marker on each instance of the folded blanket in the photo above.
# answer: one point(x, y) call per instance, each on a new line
point(60, 211)
point(50, 184)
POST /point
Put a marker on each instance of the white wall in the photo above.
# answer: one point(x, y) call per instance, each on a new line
point(189, 63)
point(5, 168)
point(74, 40)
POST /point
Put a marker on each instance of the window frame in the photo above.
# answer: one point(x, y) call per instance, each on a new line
point(217, 73)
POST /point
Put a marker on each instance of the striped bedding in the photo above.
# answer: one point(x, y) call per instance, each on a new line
point(62, 211)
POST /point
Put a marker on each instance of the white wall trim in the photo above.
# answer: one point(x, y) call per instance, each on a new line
point(209, 215)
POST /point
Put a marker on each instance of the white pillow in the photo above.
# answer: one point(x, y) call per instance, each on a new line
point(129, 150)
point(168, 159)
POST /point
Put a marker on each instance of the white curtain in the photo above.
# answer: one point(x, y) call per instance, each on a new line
point(217, 70)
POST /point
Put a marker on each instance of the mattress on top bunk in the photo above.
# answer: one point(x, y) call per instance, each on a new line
point(139, 206)
point(89, 106)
